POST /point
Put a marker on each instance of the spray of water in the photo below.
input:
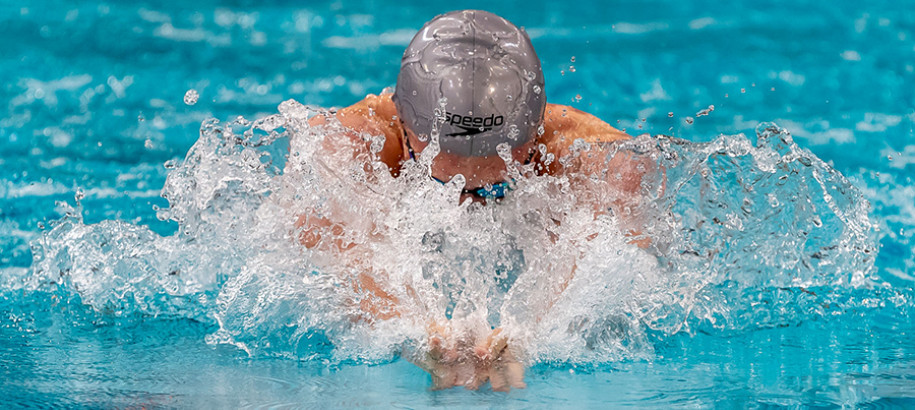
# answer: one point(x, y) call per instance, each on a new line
point(734, 236)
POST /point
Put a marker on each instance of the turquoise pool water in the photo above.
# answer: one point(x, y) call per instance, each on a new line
point(803, 299)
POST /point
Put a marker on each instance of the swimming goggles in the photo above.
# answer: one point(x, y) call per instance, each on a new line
point(494, 191)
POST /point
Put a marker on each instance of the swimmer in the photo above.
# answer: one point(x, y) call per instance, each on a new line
point(471, 80)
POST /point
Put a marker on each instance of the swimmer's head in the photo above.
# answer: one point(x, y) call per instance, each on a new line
point(473, 77)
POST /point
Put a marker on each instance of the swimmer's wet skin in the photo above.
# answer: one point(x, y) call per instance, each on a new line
point(471, 83)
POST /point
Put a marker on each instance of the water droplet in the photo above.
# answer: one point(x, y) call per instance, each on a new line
point(572, 68)
point(414, 92)
point(577, 97)
point(505, 151)
point(670, 114)
point(550, 157)
point(377, 144)
point(513, 132)
point(573, 59)
point(579, 145)
point(689, 120)
point(537, 89)
point(743, 90)
point(706, 111)
point(191, 97)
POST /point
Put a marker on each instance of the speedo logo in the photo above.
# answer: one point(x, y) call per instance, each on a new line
point(472, 125)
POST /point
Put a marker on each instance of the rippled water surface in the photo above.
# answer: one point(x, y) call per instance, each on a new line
point(147, 251)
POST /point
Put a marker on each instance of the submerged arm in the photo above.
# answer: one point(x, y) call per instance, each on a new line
point(587, 149)
point(606, 178)
point(362, 124)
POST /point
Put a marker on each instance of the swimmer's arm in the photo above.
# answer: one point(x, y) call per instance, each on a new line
point(375, 115)
point(563, 125)
point(378, 304)
point(625, 173)
point(319, 233)
point(620, 169)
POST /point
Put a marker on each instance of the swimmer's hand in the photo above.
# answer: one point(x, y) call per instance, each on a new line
point(459, 362)
point(505, 372)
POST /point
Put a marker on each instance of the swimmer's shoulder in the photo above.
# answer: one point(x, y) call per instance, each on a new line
point(563, 125)
point(566, 124)
point(376, 115)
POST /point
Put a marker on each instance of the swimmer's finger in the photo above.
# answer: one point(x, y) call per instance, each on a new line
point(425, 364)
point(483, 352)
point(423, 361)
point(499, 344)
point(479, 377)
point(442, 377)
point(497, 380)
point(482, 372)
point(441, 347)
point(440, 351)
point(435, 369)
point(490, 348)
point(514, 373)
point(449, 355)
point(482, 355)
point(436, 349)
point(496, 333)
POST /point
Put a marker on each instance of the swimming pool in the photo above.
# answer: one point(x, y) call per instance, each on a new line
point(95, 109)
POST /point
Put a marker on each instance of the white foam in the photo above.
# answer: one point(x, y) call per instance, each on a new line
point(717, 240)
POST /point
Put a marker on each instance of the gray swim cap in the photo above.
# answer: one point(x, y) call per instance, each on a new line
point(477, 75)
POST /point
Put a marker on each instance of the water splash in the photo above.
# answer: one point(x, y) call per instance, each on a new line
point(735, 236)
point(191, 97)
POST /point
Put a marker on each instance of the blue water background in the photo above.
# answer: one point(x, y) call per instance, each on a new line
point(94, 100)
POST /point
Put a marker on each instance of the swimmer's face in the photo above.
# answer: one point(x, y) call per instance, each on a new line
point(477, 171)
